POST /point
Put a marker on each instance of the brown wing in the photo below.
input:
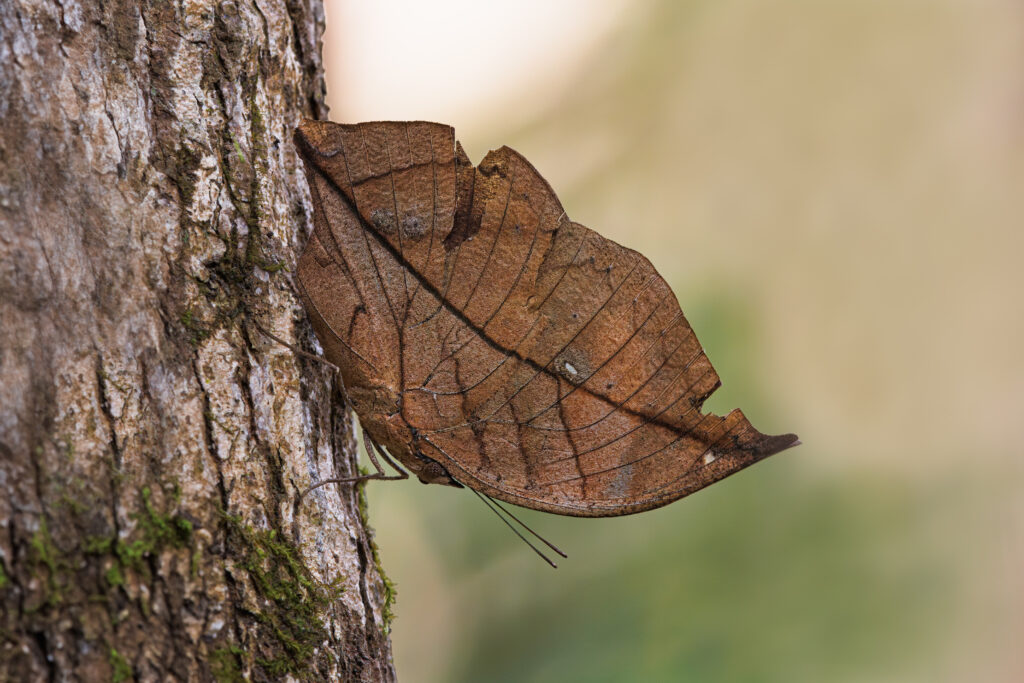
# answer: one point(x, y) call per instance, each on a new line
point(540, 363)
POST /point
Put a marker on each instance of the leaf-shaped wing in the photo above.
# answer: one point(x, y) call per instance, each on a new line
point(537, 361)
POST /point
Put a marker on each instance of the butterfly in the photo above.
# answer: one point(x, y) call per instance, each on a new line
point(486, 340)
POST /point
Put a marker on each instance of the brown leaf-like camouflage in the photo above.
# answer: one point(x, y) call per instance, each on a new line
point(486, 339)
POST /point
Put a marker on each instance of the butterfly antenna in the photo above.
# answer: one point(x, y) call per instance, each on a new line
point(487, 501)
point(523, 524)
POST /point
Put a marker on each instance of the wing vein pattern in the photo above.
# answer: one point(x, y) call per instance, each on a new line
point(535, 360)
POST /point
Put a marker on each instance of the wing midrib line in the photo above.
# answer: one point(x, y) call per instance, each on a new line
point(490, 341)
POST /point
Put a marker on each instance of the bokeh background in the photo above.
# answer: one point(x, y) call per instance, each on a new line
point(835, 191)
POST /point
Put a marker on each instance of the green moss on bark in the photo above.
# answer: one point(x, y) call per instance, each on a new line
point(225, 664)
point(387, 614)
point(293, 599)
point(122, 670)
point(157, 531)
point(45, 554)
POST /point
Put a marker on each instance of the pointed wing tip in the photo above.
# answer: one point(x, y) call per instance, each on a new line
point(775, 444)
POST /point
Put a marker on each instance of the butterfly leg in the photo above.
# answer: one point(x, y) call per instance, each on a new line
point(320, 359)
point(372, 446)
point(294, 349)
point(379, 475)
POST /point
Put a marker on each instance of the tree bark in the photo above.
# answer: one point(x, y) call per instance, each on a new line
point(152, 441)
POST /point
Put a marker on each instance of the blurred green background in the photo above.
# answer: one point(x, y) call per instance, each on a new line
point(835, 191)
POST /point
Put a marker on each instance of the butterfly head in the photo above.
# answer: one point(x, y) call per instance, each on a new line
point(433, 472)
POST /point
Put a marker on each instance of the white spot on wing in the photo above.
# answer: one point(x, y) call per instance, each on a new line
point(623, 477)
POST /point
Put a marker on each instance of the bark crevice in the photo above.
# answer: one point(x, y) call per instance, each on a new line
point(151, 450)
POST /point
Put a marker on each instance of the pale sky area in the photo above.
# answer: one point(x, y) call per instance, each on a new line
point(397, 60)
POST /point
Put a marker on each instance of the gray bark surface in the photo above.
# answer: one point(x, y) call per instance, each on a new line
point(152, 441)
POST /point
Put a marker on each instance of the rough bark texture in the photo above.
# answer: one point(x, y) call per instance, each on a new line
point(152, 442)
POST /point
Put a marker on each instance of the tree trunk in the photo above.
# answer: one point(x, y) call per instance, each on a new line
point(152, 440)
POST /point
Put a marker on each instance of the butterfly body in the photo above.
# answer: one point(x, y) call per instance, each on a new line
point(487, 340)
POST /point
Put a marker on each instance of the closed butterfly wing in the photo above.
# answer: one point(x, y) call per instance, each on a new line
point(533, 359)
